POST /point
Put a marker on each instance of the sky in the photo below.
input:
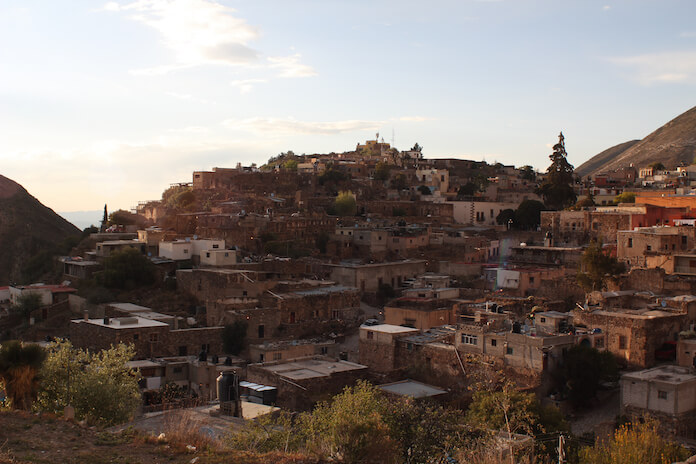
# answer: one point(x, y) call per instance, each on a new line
point(111, 102)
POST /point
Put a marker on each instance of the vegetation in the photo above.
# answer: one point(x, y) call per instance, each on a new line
point(657, 166)
point(424, 190)
point(527, 173)
point(19, 369)
point(27, 303)
point(234, 337)
point(583, 370)
point(100, 386)
point(126, 269)
point(122, 217)
point(398, 182)
point(528, 214)
point(632, 443)
point(596, 266)
point(467, 190)
point(345, 204)
point(179, 197)
point(586, 202)
point(290, 165)
point(505, 217)
point(558, 190)
point(382, 171)
point(625, 197)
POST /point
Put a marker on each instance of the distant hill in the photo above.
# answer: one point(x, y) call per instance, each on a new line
point(29, 234)
point(672, 144)
point(83, 219)
point(596, 163)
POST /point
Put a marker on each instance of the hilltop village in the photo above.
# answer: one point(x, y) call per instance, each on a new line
point(423, 276)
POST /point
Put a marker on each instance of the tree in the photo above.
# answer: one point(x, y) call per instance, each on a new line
point(351, 427)
point(625, 197)
point(398, 182)
point(583, 369)
point(100, 386)
point(527, 173)
point(122, 217)
point(27, 303)
point(505, 217)
point(126, 269)
point(290, 165)
point(345, 204)
point(19, 368)
point(424, 190)
point(586, 202)
point(233, 337)
point(637, 442)
point(596, 266)
point(657, 166)
point(467, 190)
point(558, 190)
point(528, 214)
point(381, 171)
point(506, 409)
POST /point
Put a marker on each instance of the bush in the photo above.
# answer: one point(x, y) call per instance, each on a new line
point(126, 269)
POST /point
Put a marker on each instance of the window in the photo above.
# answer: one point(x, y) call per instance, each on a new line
point(324, 349)
point(207, 254)
point(136, 337)
point(661, 394)
point(409, 346)
point(531, 281)
point(277, 356)
point(227, 255)
point(494, 342)
point(154, 338)
point(370, 335)
point(630, 243)
point(216, 246)
point(470, 339)
point(185, 251)
point(542, 319)
point(183, 350)
point(622, 342)
point(178, 370)
point(599, 342)
point(683, 239)
point(648, 248)
point(508, 350)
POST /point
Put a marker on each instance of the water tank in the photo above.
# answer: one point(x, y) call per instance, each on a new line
point(227, 386)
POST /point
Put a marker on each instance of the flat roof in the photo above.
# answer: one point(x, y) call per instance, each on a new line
point(118, 323)
point(668, 374)
point(390, 263)
point(412, 388)
point(637, 313)
point(389, 328)
point(312, 368)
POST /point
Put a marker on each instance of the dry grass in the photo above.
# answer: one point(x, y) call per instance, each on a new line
point(182, 428)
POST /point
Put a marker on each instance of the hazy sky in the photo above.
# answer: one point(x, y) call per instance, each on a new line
point(110, 102)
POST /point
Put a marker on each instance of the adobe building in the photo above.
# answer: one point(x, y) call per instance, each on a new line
point(292, 349)
point(369, 277)
point(633, 246)
point(150, 338)
point(666, 393)
point(378, 347)
point(421, 313)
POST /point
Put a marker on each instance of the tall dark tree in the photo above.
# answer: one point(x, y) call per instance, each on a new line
point(105, 220)
point(558, 190)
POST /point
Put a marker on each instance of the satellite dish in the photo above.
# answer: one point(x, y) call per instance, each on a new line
point(195, 237)
point(663, 303)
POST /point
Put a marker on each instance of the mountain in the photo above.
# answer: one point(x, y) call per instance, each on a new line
point(30, 233)
point(595, 163)
point(672, 144)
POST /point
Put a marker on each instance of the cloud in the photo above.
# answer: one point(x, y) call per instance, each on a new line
point(606, 7)
point(290, 66)
point(660, 68)
point(245, 85)
point(289, 126)
point(415, 118)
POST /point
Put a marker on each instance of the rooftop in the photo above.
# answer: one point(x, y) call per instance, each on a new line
point(312, 368)
point(667, 374)
point(412, 388)
point(389, 328)
point(117, 323)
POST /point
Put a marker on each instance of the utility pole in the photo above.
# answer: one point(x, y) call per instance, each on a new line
point(561, 450)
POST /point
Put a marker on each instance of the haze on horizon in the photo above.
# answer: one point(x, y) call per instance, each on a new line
point(111, 102)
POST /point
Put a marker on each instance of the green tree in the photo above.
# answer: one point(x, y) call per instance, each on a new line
point(19, 369)
point(657, 166)
point(122, 217)
point(424, 190)
point(586, 202)
point(234, 337)
point(582, 371)
point(467, 190)
point(382, 171)
point(528, 214)
point(637, 442)
point(506, 410)
point(27, 303)
point(290, 165)
point(126, 269)
point(345, 204)
point(596, 266)
point(527, 173)
point(625, 197)
point(505, 216)
point(350, 428)
point(100, 386)
point(558, 190)
point(398, 182)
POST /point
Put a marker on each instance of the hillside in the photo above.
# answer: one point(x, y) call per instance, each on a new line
point(28, 230)
point(672, 144)
point(595, 163)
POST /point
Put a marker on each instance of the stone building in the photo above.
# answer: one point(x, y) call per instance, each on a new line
point(369, 277)
point(667, 393)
